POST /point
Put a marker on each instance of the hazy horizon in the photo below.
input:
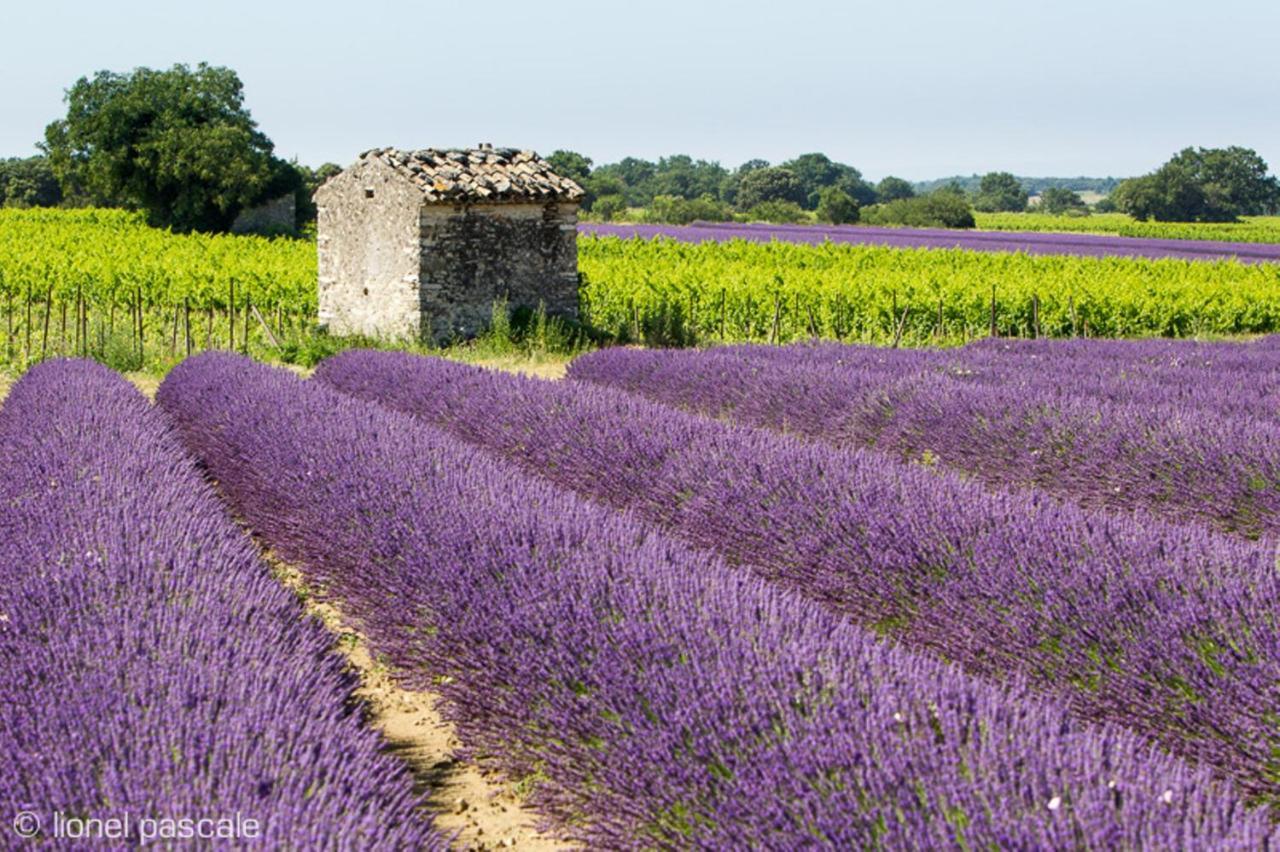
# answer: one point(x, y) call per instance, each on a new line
point(922, 90)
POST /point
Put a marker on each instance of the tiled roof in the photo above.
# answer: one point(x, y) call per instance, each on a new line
point(484, 174)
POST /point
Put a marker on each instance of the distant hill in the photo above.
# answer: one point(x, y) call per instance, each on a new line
point(1033, 185)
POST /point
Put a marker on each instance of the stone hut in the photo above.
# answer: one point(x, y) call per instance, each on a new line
point(422, 243)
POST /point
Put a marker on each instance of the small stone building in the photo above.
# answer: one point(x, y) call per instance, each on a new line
point(422, 243)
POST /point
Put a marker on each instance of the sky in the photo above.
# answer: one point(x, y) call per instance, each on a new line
point(916, 88)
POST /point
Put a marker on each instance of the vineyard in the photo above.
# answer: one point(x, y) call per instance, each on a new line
point(1250, 229)
point(102, 284)
point(831, 595)
point(664, 290)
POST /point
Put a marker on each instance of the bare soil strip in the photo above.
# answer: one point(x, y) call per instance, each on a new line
point(484, 808)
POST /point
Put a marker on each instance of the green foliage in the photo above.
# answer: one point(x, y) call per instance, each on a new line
point(1202, 185)
point(1253, 229)
point(107, 260)
point(816, 172)
point(778, 212)
point(673, 210)
point(1057, 202)
point(837, 207)
point(28, 182)
point(607, 207)
point(178, 144)
point(1034, 185)
point(571, 164)
point(774, 183)
point(674, 293)
point(639, 181)
point(893, 188)
point(309, 180)
point(943, 209)
point(733, 181)
point(1000, 191)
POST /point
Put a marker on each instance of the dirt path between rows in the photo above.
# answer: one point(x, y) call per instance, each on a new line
point(484, 808)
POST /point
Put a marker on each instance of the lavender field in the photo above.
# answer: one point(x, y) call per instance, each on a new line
point(1030, 242)
point(1020, 594)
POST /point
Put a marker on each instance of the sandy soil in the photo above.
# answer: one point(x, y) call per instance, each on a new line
point(484, 808)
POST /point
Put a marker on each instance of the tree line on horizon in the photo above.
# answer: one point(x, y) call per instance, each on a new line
point(180, 145)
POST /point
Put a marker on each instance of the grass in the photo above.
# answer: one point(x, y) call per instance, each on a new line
point(522, 341)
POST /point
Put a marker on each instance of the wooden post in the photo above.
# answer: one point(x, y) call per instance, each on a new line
point(208, 327)
point(26, 349)
point(724, 296)
point(48, 309)
point(142, 340)
point(813, 323)
point(893, 311)
point(173, 335)
point(1071, 308)
point(231, 314)
point(265, 328)
point(62, 333)
point(186, 321)
point(79, 297)
point(244, 343)
point(8, 319)
point(777, 317)
point(1035, 315)
point(902, 325)
point(993, 311)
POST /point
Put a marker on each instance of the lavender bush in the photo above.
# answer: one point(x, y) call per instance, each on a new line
point(1168, 629)
point(656, 696)
point(153, 669)
point(1121, 436)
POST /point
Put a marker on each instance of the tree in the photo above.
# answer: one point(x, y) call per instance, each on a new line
point(603, 184)
point(28, 182)
point(572, 165)
point(1000, 192)
point(1202, 185)
point(818, 171)
point(941, 209)
point(729, 185)
point(1057, 201)
point(893, 188)
point(179, 144)
point(607, 207)
point(779, 212)
point(673, 210)
point(772, 184)
point(837, 206)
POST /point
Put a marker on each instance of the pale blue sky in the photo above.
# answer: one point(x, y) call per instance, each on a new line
point(917, 88)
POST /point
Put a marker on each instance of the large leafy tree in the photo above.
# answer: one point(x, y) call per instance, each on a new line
point(1000, 191)
point(1202, 185)
point(772, 184)
point(893, 188)
point(571, 164)
point(816, 172)
point(28, 182)
point(177, 143)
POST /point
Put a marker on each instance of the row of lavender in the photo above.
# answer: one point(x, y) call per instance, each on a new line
point(153, 671)
point(659, 696)
point(1031, 242)
point(1184, 431)
point(1167, 629)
